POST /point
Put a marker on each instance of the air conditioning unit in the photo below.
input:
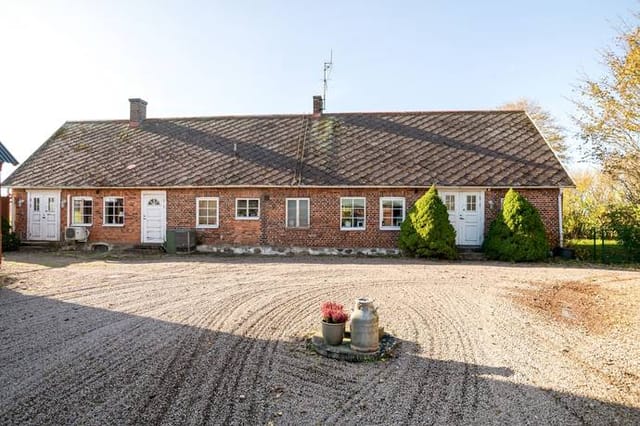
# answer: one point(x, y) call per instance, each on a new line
point(76, 234)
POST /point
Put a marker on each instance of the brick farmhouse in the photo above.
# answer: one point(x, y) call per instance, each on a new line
point(340, 181)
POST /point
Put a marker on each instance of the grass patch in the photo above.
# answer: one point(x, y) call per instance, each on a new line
point(605, 251)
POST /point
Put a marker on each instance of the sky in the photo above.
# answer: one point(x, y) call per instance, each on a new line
point(83, 60)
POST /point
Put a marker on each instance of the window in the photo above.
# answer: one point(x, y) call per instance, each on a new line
point(206, 212)
point(471, 203)
point(450, 202)
point(247, 208)
point(297, 212)
point(352, 213)
point(82, 211)
point(114, 211)
point(391, 212)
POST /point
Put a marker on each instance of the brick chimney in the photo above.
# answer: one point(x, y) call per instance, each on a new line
point(317, 106)
point(137, 112)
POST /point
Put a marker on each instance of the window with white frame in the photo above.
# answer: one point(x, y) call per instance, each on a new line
point(352, 213)
point(391, 212)
point(297, 212)
point(207, 212)
point(113, 211)
point(82, 211)
point(247, 208)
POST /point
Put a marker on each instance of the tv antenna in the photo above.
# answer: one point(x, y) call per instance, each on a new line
point(328, 66)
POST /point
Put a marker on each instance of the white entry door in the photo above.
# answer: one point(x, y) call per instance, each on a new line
point(44, 216)
point(466, 214)
point(154, 217)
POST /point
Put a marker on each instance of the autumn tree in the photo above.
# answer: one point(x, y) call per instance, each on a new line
point(552, 131)
point(609, 113)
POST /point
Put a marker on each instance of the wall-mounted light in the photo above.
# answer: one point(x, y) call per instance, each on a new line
point(491, 204)
point(63, 204)
point(20, 202)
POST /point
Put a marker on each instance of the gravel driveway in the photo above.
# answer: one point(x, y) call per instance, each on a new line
point(167, 340)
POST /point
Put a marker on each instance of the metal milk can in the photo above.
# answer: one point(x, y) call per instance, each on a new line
point(364, 326)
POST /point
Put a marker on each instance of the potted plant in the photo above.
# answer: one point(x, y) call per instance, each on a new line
point(334, 318)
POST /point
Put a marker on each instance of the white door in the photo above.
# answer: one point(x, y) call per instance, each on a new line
point(466, 215)
point(154, 215)
point(44, 214)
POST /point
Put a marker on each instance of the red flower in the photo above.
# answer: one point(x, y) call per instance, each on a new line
point(333, 312)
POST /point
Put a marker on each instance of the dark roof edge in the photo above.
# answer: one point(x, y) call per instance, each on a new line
point(6, 156)
point(298, 115)
point(479, 187)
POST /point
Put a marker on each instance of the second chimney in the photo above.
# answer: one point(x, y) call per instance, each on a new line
point(317, 106)
point(137, 111)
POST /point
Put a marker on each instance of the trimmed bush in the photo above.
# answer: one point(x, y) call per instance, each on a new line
point(517, 234)
point(10, 240)
point(426, 231)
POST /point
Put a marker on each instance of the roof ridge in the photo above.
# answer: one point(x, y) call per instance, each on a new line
point(299, 115)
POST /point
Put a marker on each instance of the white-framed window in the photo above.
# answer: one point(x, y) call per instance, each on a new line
point(81, 211)
point(297, 212)
point(391, 212)
point(248, 208)
point(352, 213)
point(207, 212)
point(450, 202)
point(472, 203)
point(113, 213)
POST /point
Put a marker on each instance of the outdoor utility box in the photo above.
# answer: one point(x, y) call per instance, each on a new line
point(180, 240)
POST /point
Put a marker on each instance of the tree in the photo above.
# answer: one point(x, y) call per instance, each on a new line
point(517, 234)
point(609, 114)
point(426, 231)
point(553, 132)
point(585, 207)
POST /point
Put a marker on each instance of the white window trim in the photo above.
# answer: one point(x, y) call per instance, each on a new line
point(247, 218)
point(217, 200)
point(364, 227)
point(71, 209)
point(404, 212)
point(104, 213)
point(286, 212)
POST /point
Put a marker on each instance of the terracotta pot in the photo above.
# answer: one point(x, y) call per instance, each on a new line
point(333, 333)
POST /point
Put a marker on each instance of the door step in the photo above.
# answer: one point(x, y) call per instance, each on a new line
point(471, 253)
point(39, 245)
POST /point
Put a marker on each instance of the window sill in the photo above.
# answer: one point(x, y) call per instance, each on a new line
point(297, 227)
point(109, 225)
point(81, 224)
point(389, 228)
point(207, 226)
point(247, 218)
point(353, 229)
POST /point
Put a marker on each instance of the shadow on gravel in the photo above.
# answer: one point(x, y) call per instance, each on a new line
point(62, 362)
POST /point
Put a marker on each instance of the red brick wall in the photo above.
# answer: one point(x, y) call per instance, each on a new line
point(324, 229)
point(545, 200)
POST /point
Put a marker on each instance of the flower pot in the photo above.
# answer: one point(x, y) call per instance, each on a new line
point(333, 333)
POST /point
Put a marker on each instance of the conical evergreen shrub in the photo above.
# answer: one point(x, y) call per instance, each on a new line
point(426, 231)
point(517, 234)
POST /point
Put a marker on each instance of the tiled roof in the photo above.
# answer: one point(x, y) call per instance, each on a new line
point(475, 148)
point(6, 157)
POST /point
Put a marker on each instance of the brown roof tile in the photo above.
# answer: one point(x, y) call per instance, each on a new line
point(476, 148)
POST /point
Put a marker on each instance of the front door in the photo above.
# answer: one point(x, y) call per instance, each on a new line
point(466, 214)
point(154, 216)
point(44, 215)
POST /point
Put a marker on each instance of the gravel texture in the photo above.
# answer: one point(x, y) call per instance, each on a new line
point(168, 340)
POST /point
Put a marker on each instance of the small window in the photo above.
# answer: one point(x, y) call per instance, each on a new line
point(352, 213)
point(36, 204)
point(82, 211)
point(471, 203)
point(297, 212)
point(114, 211)
point(51, 202)
point(391, 212)
point(207, 212)
point(247, 208)
point(450, 202)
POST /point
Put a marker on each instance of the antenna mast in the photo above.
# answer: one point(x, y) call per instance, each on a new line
point(327, 72)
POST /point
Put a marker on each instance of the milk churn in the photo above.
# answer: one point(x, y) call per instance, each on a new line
point(364, 326)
